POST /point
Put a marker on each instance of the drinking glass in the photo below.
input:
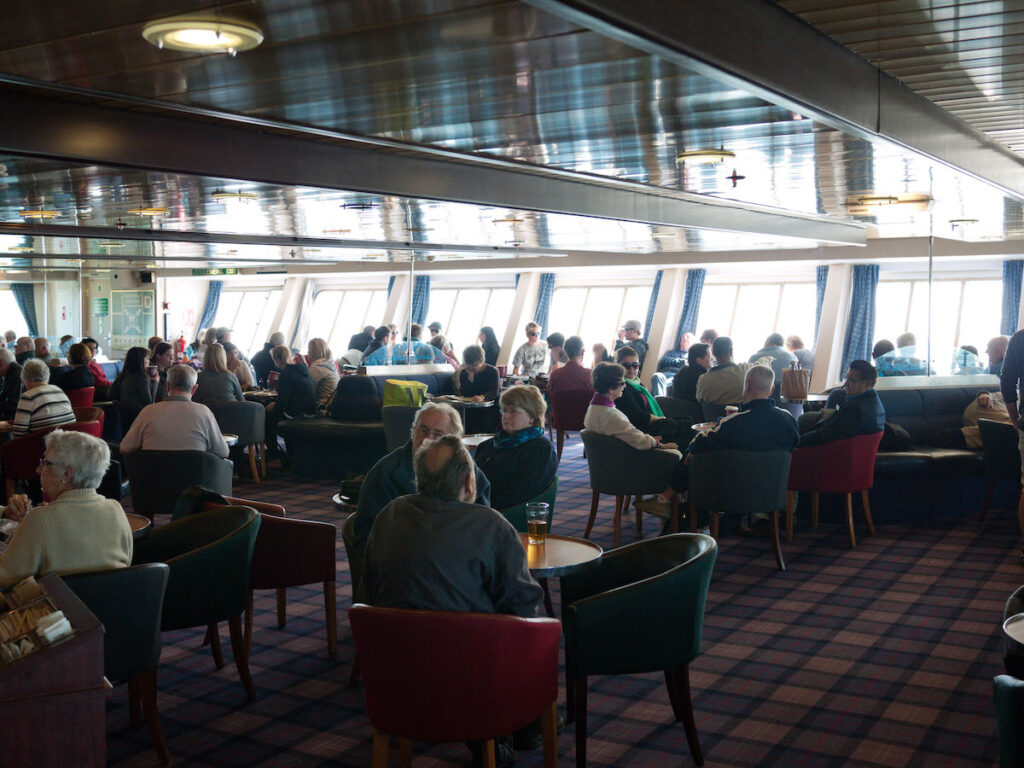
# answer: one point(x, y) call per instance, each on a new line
point(536, 522)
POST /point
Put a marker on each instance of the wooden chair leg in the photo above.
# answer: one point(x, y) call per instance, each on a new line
point(639, 518)
point(570, 701)
point(248, 622)
point(990, 486)
point(282, 599)
point(331, 616)
point(405, 752)
point(580, 685)
point(790, 509)
point(147, 684)
point(213, 636)
point(617, 521)
point(849, 519)
point(134, 702)
point(593, 514)
point(561, 442)
point(263, 459)
point(681, 677)
point(241, 654)
point(549, 735)
point(694, 515)
point(815, 497)
point(488, 754)
point(776, 544)
point(353, 675)
point(380, 749)
point(714, 526)
point(672, 687)
point(866, 502)
point(252, 464)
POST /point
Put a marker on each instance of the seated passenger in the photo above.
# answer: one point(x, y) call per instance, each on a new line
point(414, 351)
point(490, 345)
point(262, 362)
point(572, 376)
point(996, 351)
point(216, 383)
point(10, 384)
point(41, 405)
point(42, 349)
point(475, 378)
point(133, 385)
point(99, 376)
point(804, 356)
point(163, 358)
point(379, 341)
point(860, 414)
point(601, 354)
point(23, 350)
point(322, 370)
point(437, 341)
point(530, 358)
point(79, 377)
point(78, 530)
point(723, 384)
point(684, 385)
point(556, 354)
point(673, 360)
point(176, 423)
point(296, 396)
point(361, 340)
point(638, 404)
point(520, 462)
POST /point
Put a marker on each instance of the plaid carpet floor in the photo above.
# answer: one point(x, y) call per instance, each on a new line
point(881, 655)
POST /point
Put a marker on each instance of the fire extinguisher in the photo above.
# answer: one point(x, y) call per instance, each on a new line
point(179, 346)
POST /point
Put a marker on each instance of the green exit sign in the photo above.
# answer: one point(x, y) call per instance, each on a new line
point(214, 271)
point(101, 307)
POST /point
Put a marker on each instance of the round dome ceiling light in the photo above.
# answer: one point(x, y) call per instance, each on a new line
point(203, 35)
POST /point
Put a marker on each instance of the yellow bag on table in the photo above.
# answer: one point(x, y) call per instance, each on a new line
point(402, 392)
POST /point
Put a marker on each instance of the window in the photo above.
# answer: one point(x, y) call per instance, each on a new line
point(748, 312)
point(462, 312)
point(249, 313)
point(11, 313)
point(595, 314)
point(338, 315)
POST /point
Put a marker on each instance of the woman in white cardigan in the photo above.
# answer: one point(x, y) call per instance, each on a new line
point(609, 379)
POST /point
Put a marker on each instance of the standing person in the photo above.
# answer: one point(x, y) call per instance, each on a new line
point(684, 385)
point(556, 353)
point(99, 376)
point(41, 405)
point(134, 386)
point(804, 356)
point(490, 345)
point(296, 396)
point(216, 383)
point(10, 384)
point(571, 376)
point(434, 328)
point(630, 335)
point(601, 354)
point(322, 370)
point(238, 366)
point(530, 357)
point(996, 351)
point(262, 362)
point(781, 359)
point(79, 376)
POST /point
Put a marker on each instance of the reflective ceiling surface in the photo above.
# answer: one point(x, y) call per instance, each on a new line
point(498, 79)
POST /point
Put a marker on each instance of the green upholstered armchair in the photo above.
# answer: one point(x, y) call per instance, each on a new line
point(210, 557)
point(517, 514)
point(641, 609)
point(157, 478)
point(1009, 697)
point(248, 421)
point(128, 603)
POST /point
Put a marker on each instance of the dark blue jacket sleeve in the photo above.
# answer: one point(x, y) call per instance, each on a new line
point(862, 415)
point(1013, 368)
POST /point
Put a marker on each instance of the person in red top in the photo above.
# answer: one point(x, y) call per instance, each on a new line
point(102, 383)
point(572, 375)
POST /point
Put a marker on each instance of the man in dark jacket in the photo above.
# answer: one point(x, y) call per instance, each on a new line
point(24, 349)
point(10, 384)
point(861, 414)
point(361, 340)
point(262, 362)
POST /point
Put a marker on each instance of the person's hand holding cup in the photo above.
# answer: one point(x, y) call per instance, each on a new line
point(153, 372)
point(18, 507)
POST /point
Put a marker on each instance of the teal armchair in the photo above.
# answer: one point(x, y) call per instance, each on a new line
point(641, 609)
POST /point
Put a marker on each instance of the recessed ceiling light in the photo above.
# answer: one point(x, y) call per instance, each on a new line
point(110, 244)
point(705, 156)
point(363, 206)
point(508, 220)
point(336, 231)
point(220, 196)
point(203, 35)
point(962, 222)
point(22, 249)
point(38, 213)
point(157, 211)
point(664, 234)
point(905, 201)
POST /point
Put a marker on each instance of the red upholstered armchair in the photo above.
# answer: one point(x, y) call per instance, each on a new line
point(21, 458)
point(567, 411)
point(467, 677)
point(844, 466)
point(81, 397)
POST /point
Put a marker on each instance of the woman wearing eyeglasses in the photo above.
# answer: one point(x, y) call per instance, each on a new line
point(79, 530)
point(519, 461)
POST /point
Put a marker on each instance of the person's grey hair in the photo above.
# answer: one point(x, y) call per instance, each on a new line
point(276, 338)
point(86, 456)
point(449, 480)
point(6, 355)
point(454, 420)
point(760, 378)
point(211, 336)
point(181, 378)
point(35, 371)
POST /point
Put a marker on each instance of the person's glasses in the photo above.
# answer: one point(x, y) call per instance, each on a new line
point(532, 334)
point(427, 432)
point(45, 463)
point(631, 365)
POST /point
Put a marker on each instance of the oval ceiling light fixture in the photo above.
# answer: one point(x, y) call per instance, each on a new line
point(870, 204)
point(508, 220)
point(954, 223)
point(220, 196)
point(156, 211)
point(110, 244)
point(38, 213)
point(22, 249)
point(705, 156)
point(664, 234)
point(335, 231)
point(359, 206)
point(199, 34)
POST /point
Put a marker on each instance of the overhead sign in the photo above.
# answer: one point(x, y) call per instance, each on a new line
point(101, 307)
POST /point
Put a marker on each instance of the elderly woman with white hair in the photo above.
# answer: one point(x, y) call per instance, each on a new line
point(78, 530)
point(42, 405)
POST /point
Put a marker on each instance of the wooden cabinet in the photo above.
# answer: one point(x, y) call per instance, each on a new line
point(52, 702)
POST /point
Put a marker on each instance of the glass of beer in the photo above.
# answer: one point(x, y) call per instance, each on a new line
point(536, 522)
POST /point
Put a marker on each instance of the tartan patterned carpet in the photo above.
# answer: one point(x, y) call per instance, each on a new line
point(881, 655)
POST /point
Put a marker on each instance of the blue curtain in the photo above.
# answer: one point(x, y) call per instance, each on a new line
point(1012, 272)
point(651, 304)
point(212, 302)
point(24, 294)
point(391, 284)
point(691, 301)
point(860, 331)
point(517, 279)
point(421, 299)
point(819, 283)
point(544, 293)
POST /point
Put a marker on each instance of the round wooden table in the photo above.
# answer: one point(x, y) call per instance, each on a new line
point(229, 438)
point(139, 524)
point(343, 504)
point(558, 556)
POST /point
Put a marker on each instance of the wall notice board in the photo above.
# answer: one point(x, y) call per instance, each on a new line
point(132, 318)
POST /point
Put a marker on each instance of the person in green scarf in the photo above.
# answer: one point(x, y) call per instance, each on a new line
point(638, 404)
